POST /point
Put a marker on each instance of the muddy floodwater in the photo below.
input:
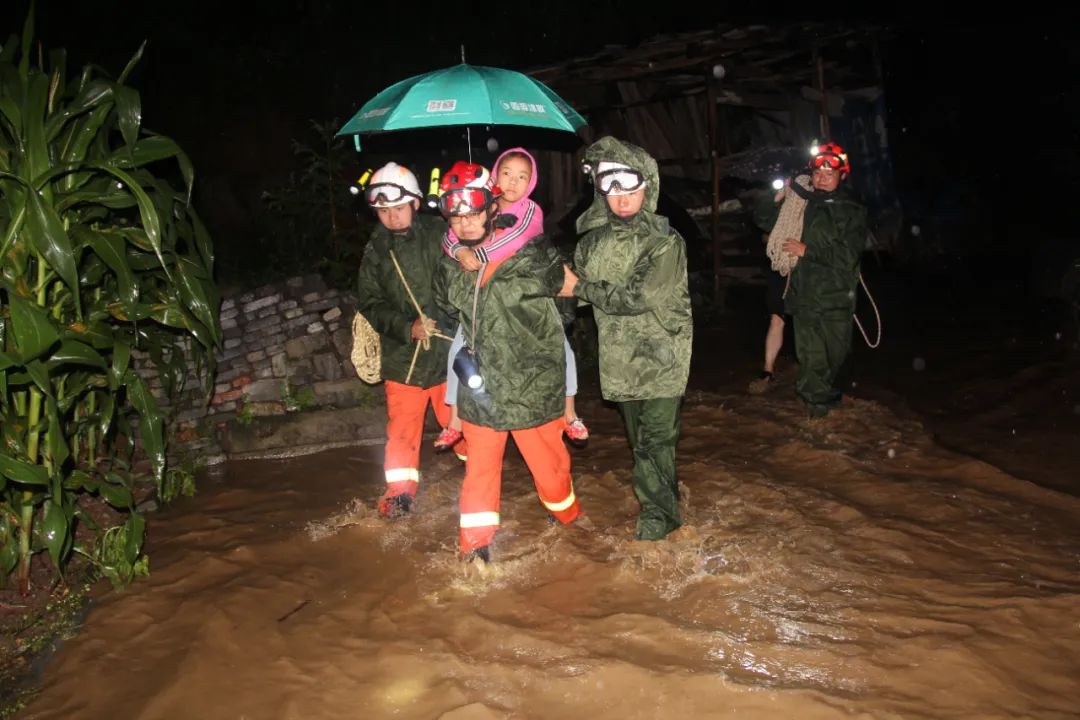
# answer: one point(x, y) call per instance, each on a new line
point(850, 568)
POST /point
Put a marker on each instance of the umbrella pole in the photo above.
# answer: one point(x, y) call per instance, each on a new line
point(468, 130)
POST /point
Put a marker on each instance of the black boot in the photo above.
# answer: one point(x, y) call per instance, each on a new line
point(480, 553)
point(396, 506)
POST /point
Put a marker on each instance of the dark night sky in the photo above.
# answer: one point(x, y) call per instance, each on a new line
point(987, 114)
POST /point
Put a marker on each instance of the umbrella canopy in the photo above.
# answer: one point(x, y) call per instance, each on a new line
point(764, 164)
point(464, 95)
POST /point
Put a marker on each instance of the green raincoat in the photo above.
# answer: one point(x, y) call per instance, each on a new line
point(821, 295)
point(384, 302)
point(633, 272)
point(519, 337)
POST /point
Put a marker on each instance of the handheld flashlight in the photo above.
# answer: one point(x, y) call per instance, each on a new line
point(432, 199)
point(361, 182)
point(467, 369)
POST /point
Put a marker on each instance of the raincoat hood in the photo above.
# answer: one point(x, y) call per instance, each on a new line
point(609, 149)
point(518, 207)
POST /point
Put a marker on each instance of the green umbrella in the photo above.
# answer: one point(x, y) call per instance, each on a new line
point(464, 95)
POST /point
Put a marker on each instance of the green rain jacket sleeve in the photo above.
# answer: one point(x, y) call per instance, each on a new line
point(446, 315)
point(548, 279)
point(372, 303)
point(844, 248)
point(567, 308)
point(655, 273)
point(550, 282)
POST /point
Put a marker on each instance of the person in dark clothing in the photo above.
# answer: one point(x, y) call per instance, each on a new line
point(821, 293)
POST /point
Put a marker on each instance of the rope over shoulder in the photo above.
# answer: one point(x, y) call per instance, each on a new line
point(789, 226)
point(367, 345)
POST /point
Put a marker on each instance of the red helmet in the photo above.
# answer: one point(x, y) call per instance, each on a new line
point(466, 188)
point(830, 155)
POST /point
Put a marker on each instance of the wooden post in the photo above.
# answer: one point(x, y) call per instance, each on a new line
point(875, 54)
point(825, 134)
point(714, 144)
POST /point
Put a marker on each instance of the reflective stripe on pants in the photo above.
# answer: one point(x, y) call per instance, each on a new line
point(406, 407)
point(548, 461)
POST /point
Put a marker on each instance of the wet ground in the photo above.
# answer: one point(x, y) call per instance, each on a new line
point(854, 567)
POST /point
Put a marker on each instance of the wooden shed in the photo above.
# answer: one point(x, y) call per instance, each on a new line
point(709, 104)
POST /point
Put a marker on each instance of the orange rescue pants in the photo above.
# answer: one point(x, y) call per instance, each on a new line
point(406, 406)
point(548, 461)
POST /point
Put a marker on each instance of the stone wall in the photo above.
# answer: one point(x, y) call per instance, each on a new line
point(286, 349)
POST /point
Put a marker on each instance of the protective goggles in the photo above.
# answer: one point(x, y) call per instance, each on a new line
point(465, 201)
point(387, 195)
point(619, 181)
point(827, 160)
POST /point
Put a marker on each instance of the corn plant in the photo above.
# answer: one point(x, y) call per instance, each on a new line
point(101, 255)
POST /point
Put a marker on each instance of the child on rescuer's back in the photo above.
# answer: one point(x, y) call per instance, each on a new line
point(515, 176)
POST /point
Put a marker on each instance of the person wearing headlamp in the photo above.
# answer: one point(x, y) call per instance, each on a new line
point(513, 361)
point(822, 285)
point(414, 241)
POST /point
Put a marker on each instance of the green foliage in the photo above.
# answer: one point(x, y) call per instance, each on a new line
point(177, 481)
point(245, 413)
point(295, 399)
point(311, 223)
point(101, 258)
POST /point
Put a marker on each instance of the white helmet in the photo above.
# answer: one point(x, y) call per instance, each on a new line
point(392, 185)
